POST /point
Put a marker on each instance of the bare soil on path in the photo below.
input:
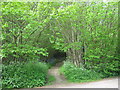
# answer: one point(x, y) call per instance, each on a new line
point(61, 82)
point(58, 78)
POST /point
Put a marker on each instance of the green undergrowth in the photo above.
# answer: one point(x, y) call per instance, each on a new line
point(24, 75)
point(76, 74)
point(50, 80)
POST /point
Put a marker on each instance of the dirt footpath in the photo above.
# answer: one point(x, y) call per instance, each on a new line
point(106, 83)
point(61, 82)
point(59, 78)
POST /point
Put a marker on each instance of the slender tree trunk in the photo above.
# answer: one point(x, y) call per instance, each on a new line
point(15, 42)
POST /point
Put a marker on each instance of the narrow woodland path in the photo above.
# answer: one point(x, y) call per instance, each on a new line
point(54, 71)
point(61, 82)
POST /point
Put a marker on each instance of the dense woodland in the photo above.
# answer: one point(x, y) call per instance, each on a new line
point(83, 35)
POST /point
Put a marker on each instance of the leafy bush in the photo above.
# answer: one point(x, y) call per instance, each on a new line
point(108, 66)
point(22, 52)
point(76, 74)
point(108, 69)
point(21, 75)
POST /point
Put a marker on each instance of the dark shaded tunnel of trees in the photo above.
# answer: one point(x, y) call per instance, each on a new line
point(55, 57)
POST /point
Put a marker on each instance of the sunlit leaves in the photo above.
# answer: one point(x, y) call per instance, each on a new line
point(61, 26)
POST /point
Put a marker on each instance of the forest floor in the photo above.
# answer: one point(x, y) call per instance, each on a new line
point(61, 82)
point(105, 83)
point(54, 71)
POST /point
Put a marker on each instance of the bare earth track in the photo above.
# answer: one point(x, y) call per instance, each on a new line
point(61, 82)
